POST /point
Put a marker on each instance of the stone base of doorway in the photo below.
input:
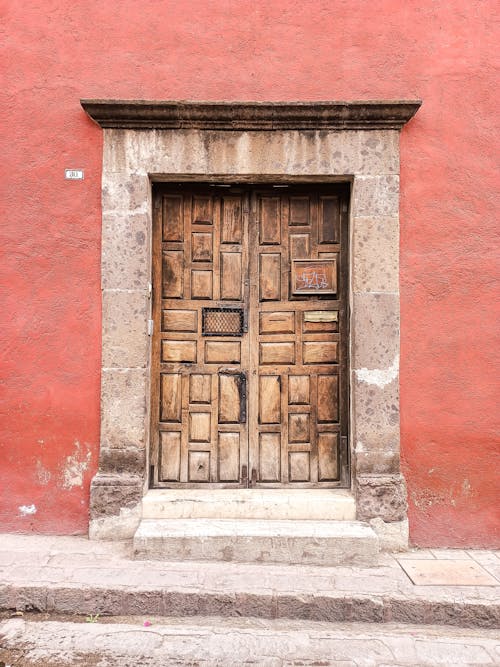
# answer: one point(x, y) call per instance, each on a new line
point(279, 504)
point(289, 526)
point(326, 543)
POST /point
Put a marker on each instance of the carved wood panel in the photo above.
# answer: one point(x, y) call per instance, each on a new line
point(298, 279)
point(249, 352)
point(199, 432)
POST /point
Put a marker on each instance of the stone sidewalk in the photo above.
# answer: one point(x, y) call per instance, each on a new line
point(71, 575)
point(223, 642)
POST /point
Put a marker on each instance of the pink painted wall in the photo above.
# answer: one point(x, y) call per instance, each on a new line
point(56, 52)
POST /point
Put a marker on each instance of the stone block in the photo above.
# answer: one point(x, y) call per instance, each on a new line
point(376, 196)
point(123, 408)
point(131, 460)
point(109, 493)
point(377, 461)
point(125, 341)
point(114, 151)
point(120, 526)
point(375, 335)
point(125, 261)
point(282, 504)
point(447, 572)
point(170, 152)
point(214, 152)
point(126, 193)
point(273, 541)
point(382, 496)
point(394, 536)
point(376, 253)
point(378, 152)
point(375, 427)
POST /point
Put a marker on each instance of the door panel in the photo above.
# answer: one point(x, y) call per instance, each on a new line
point(265, 406)
point(199, 433)
point(298, 298)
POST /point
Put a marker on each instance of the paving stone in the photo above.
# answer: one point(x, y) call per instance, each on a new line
point(127, 642)
point(447, 573)
point(450, 554)
point(421, 554)
point(446, 653)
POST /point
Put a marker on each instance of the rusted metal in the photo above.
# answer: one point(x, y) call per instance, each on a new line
point(242, 390)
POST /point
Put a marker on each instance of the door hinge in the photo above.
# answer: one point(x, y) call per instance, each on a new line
point(150, 327)
point(242, 390)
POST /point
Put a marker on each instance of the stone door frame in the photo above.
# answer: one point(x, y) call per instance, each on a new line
point(258, 143)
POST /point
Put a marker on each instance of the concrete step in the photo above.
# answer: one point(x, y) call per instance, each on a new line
point(326, 543)
point(298, 504)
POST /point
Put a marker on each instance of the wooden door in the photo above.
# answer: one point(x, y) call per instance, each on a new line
point(200, 355)
point(249, 355)
point(298, 410)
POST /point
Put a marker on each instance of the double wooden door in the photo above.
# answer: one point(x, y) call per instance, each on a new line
point(249, 353)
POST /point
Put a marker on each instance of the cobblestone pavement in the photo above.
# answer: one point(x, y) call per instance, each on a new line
point(228, 642)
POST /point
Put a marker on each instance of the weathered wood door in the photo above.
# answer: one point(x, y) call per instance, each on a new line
point(249, 353)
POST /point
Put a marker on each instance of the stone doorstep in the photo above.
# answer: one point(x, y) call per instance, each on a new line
point(297, 504)
point(324, 543)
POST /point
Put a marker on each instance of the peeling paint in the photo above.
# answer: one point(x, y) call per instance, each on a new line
point(466, 487)
point(378, 376)
point(42, 474)
point(26, 510)
point(454, 495)
point(75, 467)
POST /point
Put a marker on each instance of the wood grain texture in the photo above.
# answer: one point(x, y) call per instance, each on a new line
point(231, 275)
point(200, 388)
point(179, 320)
point(273, 400)
point(229, 399)
point(269, 399)
point(171, 397)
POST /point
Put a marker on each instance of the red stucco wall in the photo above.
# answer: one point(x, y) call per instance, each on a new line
point(56, 52)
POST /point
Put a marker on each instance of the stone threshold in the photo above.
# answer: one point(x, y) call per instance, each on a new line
point(268, 504)
point(286, 526)
point(323, 543)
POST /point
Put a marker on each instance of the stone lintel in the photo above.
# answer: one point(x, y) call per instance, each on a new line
point(331, 115)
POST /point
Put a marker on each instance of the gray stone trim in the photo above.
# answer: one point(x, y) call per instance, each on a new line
point(381, 496)
point(334, 115)
point(369, 159)
point(110, 493)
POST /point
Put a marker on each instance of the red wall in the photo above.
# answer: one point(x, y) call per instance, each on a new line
point(56, 52)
